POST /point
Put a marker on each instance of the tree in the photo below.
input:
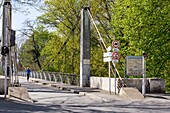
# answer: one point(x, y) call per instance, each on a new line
point(144, 25)
point(36, 42)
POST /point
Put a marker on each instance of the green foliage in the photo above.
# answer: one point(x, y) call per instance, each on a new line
point(144, 25)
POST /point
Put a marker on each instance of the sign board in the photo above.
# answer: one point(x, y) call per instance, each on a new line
point(115, 44)
point(108, 54)
point(107, 59)
point(134, 65)
point(115, 61)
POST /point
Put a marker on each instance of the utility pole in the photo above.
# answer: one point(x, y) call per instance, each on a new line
point(6, 34)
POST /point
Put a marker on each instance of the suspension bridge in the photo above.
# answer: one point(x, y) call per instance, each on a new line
point(82, 84)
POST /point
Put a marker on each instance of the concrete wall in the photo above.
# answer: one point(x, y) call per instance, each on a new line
point(2, 79)
point(157, 85)
point(103, 83)
point(137, 83)
point(152, 85)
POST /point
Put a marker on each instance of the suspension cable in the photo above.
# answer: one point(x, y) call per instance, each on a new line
point(101, 39)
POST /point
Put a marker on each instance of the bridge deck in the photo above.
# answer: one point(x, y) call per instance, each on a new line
point(96, 93)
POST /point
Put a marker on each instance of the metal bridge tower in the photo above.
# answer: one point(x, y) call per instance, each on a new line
point(85, 48)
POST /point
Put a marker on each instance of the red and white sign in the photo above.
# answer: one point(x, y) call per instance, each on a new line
point(115, 44)
point(115, 55)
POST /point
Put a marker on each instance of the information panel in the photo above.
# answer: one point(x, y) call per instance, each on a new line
point(134, 65)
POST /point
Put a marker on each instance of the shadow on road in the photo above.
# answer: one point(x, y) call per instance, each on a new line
point(159, 96)
point(12, 106)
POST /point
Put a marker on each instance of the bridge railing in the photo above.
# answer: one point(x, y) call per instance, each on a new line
point(57, 77)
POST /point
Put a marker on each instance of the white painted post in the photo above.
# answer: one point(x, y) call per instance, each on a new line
point(109, 79)
point(143, 81)
point(115, 79)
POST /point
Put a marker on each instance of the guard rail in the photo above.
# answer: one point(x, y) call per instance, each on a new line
point(59, 77)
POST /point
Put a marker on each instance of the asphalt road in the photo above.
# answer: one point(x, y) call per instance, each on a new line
point(52, 100)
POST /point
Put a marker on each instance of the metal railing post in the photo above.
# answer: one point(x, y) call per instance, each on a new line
point(45, 76)
point(49, 76)
point(54, 77)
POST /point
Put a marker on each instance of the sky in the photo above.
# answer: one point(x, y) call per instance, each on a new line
point(19, 18)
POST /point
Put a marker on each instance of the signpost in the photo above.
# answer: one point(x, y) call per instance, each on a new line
point(107, 57)
point(115, 56)
point(135, 65)
point(112, 56)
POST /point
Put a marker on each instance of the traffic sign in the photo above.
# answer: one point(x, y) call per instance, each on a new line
point(115, 55)
point(107, 54)
point(115, 44)
point(107, 59)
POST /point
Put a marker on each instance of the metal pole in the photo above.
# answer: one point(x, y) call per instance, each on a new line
point(15, 65)
point(143, 81)
point(109, 79)
point(115, 79)
point(124, 68)
point(6, 44)
point(5, 40)
point(5, 83)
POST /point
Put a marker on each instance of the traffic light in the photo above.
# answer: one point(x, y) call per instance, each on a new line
point(8, 71)
point(4, 50)
point(12, 39)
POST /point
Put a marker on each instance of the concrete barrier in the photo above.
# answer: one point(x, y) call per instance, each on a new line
point(153, 85)
point(103, 83)
point(131, 93)
point(20, 93)
point(157, 85)
point(137, 83)
point(2, 79)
